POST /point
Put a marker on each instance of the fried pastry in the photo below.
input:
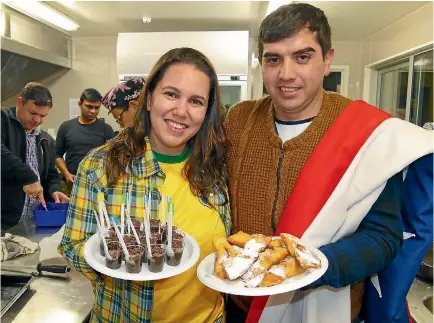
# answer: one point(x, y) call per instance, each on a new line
point(276, 243)
point(238, 265)
point(256, 244)
point(239, 239)
point(253, 277)
point(288, 267)
point(224, 251)
point(297, 250)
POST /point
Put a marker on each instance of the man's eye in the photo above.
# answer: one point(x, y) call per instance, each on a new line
point(303, 58)
point(273, 60)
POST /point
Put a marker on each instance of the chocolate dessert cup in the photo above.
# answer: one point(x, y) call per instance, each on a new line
point(115, 252)
point(175, 259)
point(108, 236)
point(156, 262)
point(134, 264)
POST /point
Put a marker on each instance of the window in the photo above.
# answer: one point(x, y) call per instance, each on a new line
point(405, 89)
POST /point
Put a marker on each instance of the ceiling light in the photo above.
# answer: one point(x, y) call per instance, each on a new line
point(67, 3)
point(273, 5)
point(44, 13)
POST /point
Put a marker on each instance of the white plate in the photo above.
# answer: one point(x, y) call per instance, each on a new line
point(206, 275)
point(189, 257)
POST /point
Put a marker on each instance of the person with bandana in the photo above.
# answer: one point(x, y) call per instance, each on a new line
point(121, 101)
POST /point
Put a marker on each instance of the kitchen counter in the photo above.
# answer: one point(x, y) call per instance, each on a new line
point(50, 299)
point(419, 292)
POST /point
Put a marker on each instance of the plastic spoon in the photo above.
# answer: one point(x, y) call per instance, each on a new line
point(169, 229)
point(130, 223)
point(121, 241)
point(147, 232)
point(104, 243)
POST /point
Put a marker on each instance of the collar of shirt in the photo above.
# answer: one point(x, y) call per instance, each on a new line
point(35, 132)
point(147, 166)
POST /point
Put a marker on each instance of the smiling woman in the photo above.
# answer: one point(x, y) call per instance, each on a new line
point(174, 146)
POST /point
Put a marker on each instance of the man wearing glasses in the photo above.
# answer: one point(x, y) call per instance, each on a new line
point(76, 137)
point(121, 101)
point(28, 172)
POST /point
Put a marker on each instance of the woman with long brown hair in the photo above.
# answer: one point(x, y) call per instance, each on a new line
point(176, 145)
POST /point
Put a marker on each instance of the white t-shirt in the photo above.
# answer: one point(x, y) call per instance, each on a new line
point(291, 129)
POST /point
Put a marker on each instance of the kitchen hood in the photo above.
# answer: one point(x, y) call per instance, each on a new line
point(21, 63)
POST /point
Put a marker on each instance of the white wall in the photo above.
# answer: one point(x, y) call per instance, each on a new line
point(409, 32)
point(94, 66)
point(348, 53)
point(227, 50)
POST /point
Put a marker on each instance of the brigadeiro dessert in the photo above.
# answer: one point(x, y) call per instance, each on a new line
point(177, 248)
point(178, 235)
point(136, 224)
point(115, 252)
point(134, 263)
point(108, 236)
point(129, 239)
point(155, 225)
point(156, 262)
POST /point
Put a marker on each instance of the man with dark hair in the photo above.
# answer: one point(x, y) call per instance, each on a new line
point(319, 166)
point(27, 156)
point(77, 137)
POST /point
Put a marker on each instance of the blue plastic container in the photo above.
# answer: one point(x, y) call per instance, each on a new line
point(54, 217)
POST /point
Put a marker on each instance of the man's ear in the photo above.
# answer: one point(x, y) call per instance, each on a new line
point(80, 103)
point(260, 60)
point(19, 101)
point(328, 61)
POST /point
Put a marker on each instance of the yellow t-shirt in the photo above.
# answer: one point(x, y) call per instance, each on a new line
point(184, 298)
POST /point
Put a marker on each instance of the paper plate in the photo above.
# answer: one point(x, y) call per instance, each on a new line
point(190, 256)
point(206, 275)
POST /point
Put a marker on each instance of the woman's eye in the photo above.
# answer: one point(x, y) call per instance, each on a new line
point(171, 94)
point(196, 102)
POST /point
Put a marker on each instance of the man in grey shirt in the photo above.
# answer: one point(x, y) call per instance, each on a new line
point(77, 137)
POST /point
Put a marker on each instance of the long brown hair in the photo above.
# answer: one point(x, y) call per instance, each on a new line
point(204, 169)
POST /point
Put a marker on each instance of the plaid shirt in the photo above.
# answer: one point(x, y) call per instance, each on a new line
point(116, 300)
point(30, 204)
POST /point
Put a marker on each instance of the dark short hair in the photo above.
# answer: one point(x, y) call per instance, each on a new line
point(290, 19)
point(37, 93)
point(91, 95)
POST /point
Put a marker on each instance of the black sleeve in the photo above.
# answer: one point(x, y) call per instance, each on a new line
point(60, 141)
point(109, 133)
point(53, 184)
point(12, 167)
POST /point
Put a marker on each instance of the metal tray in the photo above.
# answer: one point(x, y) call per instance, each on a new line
point(12, 287)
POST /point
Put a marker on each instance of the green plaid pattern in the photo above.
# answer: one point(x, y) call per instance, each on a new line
point(116, 300)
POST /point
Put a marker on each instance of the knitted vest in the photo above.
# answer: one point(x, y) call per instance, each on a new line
point(262, 170)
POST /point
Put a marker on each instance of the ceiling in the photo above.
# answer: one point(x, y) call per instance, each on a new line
point(349, 20)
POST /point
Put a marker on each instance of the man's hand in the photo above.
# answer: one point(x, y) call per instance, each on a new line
point(59, 197)
point(35, 191)
point(70, 178)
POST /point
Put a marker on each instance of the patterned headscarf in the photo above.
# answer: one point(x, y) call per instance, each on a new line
point(123, 93)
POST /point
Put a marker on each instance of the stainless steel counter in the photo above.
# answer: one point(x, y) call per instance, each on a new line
point(49, 300)
point(417, 297)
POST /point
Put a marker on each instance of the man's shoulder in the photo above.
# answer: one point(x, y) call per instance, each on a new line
point(67, 123)
point(7, 112)
point(244, 108)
